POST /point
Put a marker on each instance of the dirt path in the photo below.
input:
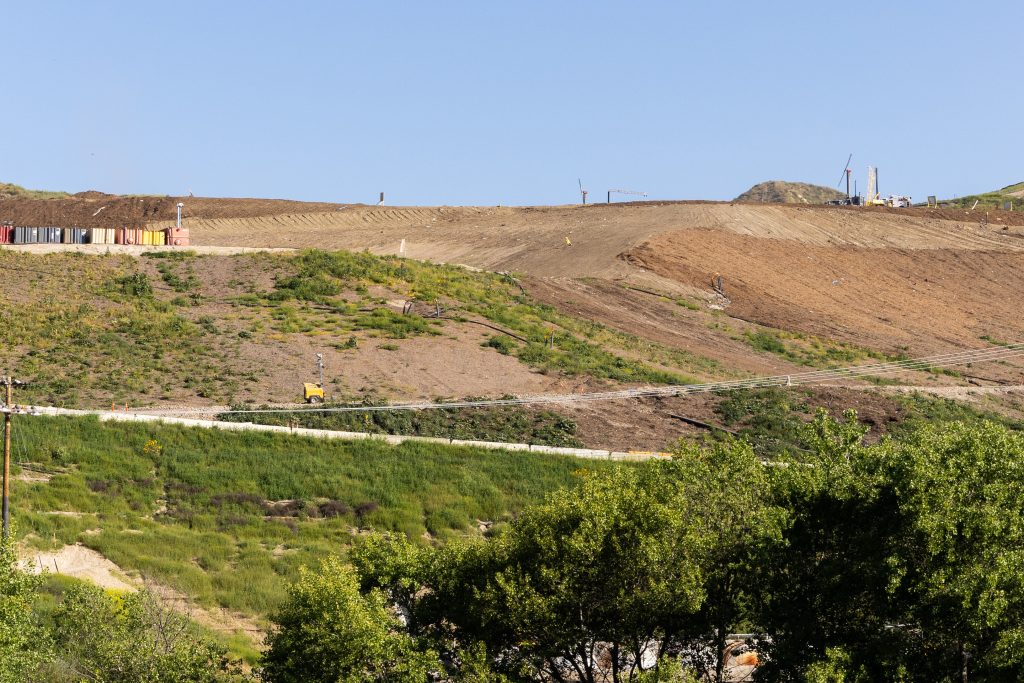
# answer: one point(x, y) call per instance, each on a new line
point(82, 563)
point(533, 239)
point(88, 565)
point(132, 250)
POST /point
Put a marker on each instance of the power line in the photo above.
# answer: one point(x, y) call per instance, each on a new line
point(809, 377)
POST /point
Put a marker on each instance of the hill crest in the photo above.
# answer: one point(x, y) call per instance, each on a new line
point(785, 192)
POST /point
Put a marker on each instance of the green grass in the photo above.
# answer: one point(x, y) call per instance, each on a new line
point(228, 517)
point(809, 350)
point(555, 342)
point(88, 330)
point(505, 424)
point(989, 200)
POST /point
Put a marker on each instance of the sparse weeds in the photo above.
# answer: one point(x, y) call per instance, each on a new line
point(808, 350)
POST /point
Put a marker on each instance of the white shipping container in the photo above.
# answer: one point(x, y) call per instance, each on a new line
point(101, 236)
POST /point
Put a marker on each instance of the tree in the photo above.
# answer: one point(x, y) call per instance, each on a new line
point(824, 589)
point(731, 497)
point(24, 644)
point(134, 639)
point(905, 560)
point(328, 632)
point(960, 571)
point(593, 582)
point(601, 581)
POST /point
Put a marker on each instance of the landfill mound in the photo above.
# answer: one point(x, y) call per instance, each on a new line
point(98, 210)
point(784, 192)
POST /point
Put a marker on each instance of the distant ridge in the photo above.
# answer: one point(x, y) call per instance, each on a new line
point(783, 192)
point(12, 191)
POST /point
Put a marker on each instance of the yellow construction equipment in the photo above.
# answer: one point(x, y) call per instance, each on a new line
point(312, 393)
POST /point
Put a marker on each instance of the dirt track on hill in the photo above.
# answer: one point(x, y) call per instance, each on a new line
point(578, 242)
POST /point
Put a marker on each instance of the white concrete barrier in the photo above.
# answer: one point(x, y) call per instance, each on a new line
point(586, 453)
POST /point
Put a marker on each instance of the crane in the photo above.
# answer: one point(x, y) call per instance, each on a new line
point(583, 193)
point(846, 174)
point(624, 192)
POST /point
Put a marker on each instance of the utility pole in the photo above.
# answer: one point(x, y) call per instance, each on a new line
point(9, 383)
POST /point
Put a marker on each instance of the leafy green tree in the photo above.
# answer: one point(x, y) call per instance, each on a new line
point(825, 597)
point(329, 632)
point(599, 581)
point(599, 574)
point(731, 498)
point(905, 560)
point(24, 644)
point(959, 572)
point(134, 639)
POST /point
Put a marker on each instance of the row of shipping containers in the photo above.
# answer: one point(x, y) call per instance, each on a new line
point(11, 234)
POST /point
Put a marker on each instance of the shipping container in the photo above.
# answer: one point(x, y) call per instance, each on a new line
point(6, 234)
point(74, 235)
point(129, 236)
point(178, 237)
point(101, 236)
point(154, 237)
point(26, 235)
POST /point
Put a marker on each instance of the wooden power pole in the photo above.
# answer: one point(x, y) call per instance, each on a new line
point(9, 383)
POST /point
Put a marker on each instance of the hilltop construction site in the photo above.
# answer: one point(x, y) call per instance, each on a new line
point(709, 290)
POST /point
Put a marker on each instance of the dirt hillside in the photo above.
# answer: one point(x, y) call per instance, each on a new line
point(921, 280)
point(843, 280)
point(99, 210)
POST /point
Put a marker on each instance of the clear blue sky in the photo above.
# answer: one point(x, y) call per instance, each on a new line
point(508, 103)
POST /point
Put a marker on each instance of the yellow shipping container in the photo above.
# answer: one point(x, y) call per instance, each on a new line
point(153, 238)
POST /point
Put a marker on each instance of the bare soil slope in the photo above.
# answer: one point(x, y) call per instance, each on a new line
point(577, 241)
point(924, 300)
point(99, 210)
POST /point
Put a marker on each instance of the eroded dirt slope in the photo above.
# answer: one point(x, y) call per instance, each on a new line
point(924, 300)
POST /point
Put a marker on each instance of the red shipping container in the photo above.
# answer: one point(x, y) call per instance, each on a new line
point(6, 233)
point(178, 237)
